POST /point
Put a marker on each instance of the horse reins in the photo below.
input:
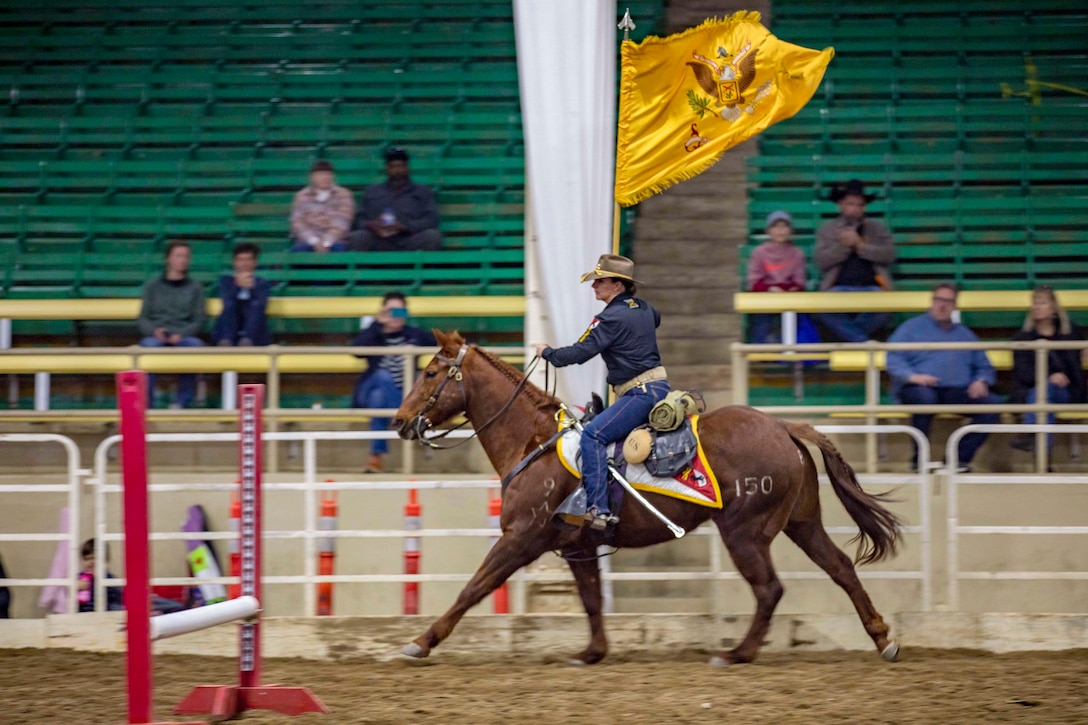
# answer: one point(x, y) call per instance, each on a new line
point(454, 373)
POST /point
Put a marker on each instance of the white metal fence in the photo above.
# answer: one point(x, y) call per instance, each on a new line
point(70, 487)
point(311, 484)
point(1022, 485)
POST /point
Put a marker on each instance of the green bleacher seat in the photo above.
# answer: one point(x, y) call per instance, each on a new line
point(127, 124)
point(116, 273)
point(36, 274)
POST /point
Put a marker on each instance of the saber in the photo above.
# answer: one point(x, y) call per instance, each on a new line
point(677, 531)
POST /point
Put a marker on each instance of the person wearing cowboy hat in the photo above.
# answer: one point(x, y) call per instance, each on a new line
point(853, 253)
point(624, 334)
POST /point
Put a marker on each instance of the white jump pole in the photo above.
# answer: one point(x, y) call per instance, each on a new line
point(212, 615)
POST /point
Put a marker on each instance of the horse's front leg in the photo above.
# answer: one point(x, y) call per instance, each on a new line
point(587, 574)
point(511, 552)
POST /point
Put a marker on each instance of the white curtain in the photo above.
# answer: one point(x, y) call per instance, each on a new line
point(566, 53)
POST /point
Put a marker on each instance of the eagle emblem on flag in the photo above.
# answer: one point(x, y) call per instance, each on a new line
point(727, 80)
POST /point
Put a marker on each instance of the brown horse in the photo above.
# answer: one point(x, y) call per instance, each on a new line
point(512, 418)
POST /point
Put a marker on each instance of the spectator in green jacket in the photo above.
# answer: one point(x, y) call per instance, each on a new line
point(172, 314)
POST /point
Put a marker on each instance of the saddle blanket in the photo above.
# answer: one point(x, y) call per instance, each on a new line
point(696, 483)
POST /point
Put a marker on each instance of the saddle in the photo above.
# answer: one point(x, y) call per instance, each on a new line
point(662, 454)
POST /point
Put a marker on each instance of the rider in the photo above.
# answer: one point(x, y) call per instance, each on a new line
point(624, 334)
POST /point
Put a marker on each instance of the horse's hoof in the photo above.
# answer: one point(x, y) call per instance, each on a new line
point(891, 652)
point(575, 661)
point(413, 650)
point(718, 661)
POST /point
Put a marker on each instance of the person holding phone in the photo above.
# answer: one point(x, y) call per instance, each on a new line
point(382, 385)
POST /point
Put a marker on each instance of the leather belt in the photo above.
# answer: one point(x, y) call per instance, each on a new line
point(649, 376)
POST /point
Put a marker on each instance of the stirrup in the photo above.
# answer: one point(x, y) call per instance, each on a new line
point(601, 520)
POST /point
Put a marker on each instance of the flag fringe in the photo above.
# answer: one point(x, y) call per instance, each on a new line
point(741, 16)
point(632, 198)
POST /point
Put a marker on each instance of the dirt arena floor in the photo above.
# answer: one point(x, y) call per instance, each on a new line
point(928, 686)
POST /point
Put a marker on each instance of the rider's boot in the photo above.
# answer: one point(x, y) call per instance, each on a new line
point(600, 520)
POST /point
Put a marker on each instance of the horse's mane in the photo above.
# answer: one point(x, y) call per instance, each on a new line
point(515, 376)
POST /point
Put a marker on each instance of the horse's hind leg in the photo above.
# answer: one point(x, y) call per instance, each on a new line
point(587, 574)
point(509, 554)
point(751, 554)
point(811, 536)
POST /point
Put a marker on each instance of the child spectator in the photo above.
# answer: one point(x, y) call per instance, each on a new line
point(777, 265)
point(115, 599)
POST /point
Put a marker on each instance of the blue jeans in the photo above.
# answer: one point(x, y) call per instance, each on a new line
point(377, 390)
point(186, 381)
point(942, 395)
point(613, 424)
point(305, 247)
point(853, 326)
point(1054, 394)
point(760, 327)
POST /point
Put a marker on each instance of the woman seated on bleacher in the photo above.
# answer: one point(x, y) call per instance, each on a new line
point(1047, 320)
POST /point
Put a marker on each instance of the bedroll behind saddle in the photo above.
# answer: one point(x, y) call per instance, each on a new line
point(669, 413)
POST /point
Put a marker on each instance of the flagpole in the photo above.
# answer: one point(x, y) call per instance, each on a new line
point(626, 24)
point(615, 227)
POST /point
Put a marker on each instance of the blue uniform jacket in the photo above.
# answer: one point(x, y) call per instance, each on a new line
point(624, 334)
point(254, 313)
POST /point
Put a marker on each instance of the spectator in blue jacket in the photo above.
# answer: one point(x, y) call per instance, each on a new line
point(932, 377)
point(244, 319)
point(382, 385)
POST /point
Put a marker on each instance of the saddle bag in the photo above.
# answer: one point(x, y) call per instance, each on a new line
point(671, 452)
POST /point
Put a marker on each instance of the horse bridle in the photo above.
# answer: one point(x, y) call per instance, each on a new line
point(420, 424)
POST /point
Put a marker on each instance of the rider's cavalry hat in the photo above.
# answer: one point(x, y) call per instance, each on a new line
point(611, 265)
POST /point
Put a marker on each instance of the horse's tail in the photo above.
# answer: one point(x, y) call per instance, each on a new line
point(880, 530)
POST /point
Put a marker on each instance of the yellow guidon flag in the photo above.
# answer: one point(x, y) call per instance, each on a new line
point(687, 98)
